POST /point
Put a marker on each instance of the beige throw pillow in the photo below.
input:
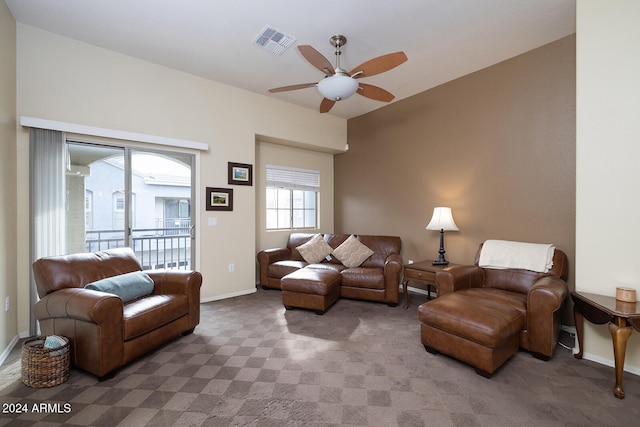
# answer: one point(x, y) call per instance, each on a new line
point(351, 253)
point(315, 250)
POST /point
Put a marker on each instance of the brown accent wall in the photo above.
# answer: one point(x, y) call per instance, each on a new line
point(497, 146)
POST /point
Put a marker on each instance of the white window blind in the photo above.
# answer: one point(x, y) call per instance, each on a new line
point(293, 178)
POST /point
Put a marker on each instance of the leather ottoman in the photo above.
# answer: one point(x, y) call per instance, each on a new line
point(311, 288)
point(482, 333)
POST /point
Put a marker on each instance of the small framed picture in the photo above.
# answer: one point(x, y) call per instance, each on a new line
point(240, 174)
point(219, 199)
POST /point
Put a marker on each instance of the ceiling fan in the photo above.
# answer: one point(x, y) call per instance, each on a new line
point(339, 84)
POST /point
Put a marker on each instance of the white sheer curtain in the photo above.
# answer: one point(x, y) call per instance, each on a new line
point(48, 167)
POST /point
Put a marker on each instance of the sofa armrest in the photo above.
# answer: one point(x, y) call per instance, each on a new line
point(544, 302)
point(267, 257)
point(183, 282)
point(79, 304)
point(392, 269)
point(393, 265)
point(549, 291)
point(455, 278)
point(92, 320)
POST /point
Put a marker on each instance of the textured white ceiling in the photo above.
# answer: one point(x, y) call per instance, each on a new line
point(444, 39)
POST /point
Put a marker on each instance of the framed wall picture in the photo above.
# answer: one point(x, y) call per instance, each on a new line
point(219, 199)
point(240, 174)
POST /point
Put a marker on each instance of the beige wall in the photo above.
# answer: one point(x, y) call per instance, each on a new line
point(608, 153)
point(497, 146)
point(8, 236)
point(285, 155)
point(68, 81)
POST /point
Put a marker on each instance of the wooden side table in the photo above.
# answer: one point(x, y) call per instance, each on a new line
point(423, 273)
point(622, 317)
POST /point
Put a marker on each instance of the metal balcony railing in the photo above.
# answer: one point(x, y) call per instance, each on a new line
point(154, 247)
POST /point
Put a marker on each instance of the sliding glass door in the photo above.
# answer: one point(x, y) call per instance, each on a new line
point(121, 196)
point(162, 221)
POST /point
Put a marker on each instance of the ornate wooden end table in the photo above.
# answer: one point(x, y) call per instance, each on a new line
point(421, 272)
point(622, 317)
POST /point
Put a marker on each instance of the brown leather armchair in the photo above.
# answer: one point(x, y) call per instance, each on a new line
point(106, 333)
point(482, 315)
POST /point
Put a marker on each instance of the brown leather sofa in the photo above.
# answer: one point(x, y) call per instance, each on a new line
point(483, 315)
point(375, 280)
point(106, 333)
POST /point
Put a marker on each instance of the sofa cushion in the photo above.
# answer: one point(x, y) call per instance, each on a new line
point(333, 266)
point(295, 240)
point(359, 277)
point(128, 286)
point(315, 250)
point(151, 313)
point(382, 246)
point(352, 253)
point(60, 272)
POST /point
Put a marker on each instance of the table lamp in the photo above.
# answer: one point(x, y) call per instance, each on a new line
point(442, 220)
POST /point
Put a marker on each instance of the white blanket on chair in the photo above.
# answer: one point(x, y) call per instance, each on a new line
point(528, 256)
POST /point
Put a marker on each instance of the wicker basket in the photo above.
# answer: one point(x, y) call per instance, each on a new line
point(44, 367)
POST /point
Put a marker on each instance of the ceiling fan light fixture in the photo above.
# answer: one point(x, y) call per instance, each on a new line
point(337, 87)
point(339, 84)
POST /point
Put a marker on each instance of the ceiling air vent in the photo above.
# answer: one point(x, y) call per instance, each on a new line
point(273, 40)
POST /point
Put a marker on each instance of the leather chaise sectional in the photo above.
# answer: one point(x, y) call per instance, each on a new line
point(316, 284)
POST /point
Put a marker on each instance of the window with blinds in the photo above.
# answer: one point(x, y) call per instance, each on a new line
point(292, 198)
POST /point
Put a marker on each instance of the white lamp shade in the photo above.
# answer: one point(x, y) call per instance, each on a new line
point(442, 219)
point(337, 87)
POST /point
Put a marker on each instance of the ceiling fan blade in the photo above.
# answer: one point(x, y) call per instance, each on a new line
point(375, 92)
point(317, 59)
point(292, 87)
point(378, 65)
point(326, 105)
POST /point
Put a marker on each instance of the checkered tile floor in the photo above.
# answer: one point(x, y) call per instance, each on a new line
point(252, 363)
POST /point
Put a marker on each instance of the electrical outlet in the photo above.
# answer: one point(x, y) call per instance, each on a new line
point(410, 261)
point(6, 304)
point(232, 268)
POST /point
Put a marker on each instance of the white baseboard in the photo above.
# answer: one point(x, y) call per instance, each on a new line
point(417, 291)
point(9, 349)
point(588, 356)
point(231, 295)
point(608, 362)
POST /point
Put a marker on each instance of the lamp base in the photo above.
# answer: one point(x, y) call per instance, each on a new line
point(441, 260)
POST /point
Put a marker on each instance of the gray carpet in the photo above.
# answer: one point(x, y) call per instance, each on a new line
point(252, 363)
